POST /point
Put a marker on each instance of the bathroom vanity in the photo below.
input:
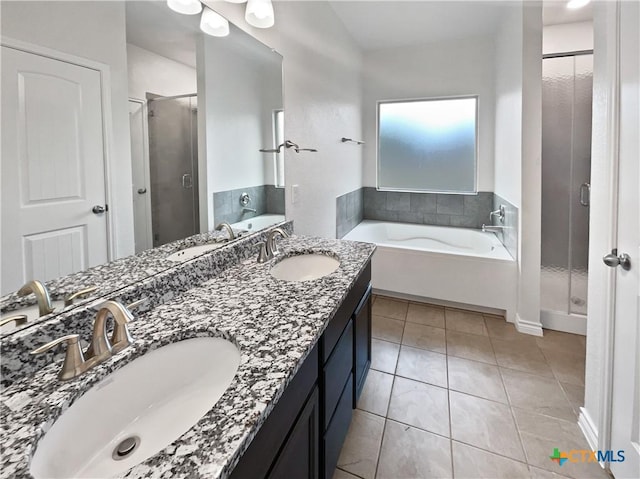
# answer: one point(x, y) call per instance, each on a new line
point(304, 353)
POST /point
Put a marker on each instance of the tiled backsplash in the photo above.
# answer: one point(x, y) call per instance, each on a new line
point(349, 211)
point(468, 211)
point(264, 199)
point(465, 211)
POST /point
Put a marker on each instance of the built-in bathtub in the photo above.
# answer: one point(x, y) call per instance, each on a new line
point(258, 222)
point(451, 265)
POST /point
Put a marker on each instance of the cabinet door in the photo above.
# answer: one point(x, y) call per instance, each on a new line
point(362, 344)
point(299, 457)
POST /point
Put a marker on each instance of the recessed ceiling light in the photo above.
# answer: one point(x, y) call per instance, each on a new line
point(574, 4)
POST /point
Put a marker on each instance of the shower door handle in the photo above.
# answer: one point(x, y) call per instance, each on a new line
point(585, 194)
point(613, 259)
point(187, 181)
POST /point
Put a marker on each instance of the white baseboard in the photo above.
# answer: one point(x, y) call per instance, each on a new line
point(528, 327)
point(588, 429)
point(568, 323)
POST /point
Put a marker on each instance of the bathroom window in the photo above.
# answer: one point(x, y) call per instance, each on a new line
point(278, 139)
point(428, 145)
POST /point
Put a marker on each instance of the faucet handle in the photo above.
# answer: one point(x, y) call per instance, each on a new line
point(68, 301)
point(20, 319)
point(74, 363)
point(42, 295)
point(263, 255)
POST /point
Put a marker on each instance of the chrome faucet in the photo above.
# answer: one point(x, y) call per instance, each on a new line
point(246, 209)
point(269, 249)
point(42, 296)
point(226, 226)
point(76, 362)
point(491, 228)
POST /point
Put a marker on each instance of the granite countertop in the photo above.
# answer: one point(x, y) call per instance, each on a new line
point(111, 276)
point(274, 323)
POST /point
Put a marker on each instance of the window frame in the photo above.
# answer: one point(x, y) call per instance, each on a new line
point(476, 97)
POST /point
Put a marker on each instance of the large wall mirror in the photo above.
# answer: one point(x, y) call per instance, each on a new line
point(81, 185)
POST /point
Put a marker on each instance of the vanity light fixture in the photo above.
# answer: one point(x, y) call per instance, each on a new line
point(235, 1)
point(212, 23)
point(259, 13)
point(187, 7)
point(575, 4)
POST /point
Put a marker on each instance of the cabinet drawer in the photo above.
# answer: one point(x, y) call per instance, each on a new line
point(337, 431)
point(337, 371)
point(344, 313)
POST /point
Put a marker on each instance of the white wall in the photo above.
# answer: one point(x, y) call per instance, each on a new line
point(454, 68)
point(96, 31)
point(567, 37)
point(149, 72)
point(508, 97)
point(322, 102)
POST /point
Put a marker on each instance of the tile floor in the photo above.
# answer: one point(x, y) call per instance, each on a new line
point(455, 393)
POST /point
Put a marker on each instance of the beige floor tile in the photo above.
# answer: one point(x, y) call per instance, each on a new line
point(537, 473)
point(384, 355)
point(390, 308)
point(560, 341)
point(542, 434)
point(359, 453)
point(575, 394)
point(376, 392)
point(420, 405)
point(499, 328)
point(465, 321)
point(485, 424)
point(475, 378)
point(538, 394)
point(340, 474)
point(386, 328)
point(422, 365)
point(473, 463)
point(567, 366)
point(410, 453)
point(424, 337)
point(426, 314)
point(523, 355)
point(470, 346)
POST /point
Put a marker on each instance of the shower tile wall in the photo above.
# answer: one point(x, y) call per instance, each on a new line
point(349, 211)
point(265, 199)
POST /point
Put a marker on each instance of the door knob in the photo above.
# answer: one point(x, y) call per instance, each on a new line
point(142, 191)
point(613, 259)
point(98, 209)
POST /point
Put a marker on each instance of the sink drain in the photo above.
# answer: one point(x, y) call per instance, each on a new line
point(125, 448)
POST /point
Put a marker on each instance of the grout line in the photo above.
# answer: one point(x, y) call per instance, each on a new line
point(351, 473)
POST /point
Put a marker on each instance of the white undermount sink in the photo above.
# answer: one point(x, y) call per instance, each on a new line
point(138, 410)
point(189, 253)
point(31, 312)
point(304, 267)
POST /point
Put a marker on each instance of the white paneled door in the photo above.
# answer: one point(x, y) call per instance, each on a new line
point(625, 411)
point(52, 169)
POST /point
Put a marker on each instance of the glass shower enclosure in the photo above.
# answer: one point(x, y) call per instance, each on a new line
point(173, 167)
point(566, 168)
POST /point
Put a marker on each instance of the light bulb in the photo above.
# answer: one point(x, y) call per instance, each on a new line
point(235, 1)
point(212, 23)
point(187, 7)
point(259, 13)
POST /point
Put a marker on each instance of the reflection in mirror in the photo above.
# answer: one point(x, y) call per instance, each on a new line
point(197, 123)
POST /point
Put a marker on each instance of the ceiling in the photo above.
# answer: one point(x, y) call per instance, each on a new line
point(153, 26)
point(394, 23)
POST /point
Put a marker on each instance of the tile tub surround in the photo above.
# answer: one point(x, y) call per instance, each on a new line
point(274, 323)
point(495, 405)
point(266, 199)
point(349, 211)
point(509, 237)
point(17, 363)
point(467, 211)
